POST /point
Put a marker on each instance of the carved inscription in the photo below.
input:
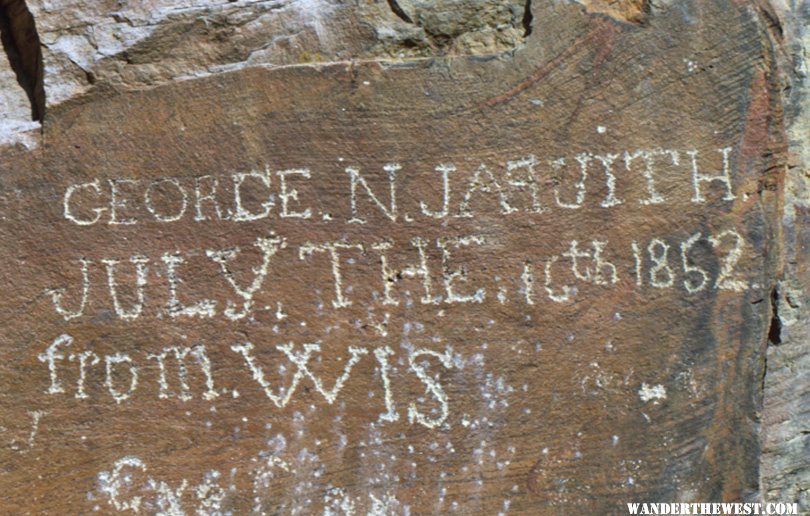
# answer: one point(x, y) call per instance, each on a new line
point(529, 283)
point(266, 194)
point(157, 285)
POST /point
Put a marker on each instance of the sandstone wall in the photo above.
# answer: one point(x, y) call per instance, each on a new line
point(626, 321)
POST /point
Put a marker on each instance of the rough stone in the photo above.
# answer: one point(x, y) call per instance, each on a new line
point(628, 10)
point(786, 409)
point(147, 42)
point(16, 114)
point(399, 300)
point(21, 93)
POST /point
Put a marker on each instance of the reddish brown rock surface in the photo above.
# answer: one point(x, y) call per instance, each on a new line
point(531, 282)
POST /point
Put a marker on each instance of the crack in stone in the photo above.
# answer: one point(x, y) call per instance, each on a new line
point(775, 329)
point(528, 18)
point(397, 10)
point(21, 44)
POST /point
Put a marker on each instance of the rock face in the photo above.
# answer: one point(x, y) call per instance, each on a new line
point(144, 43)
point(21, 90)
point(785, 440)
point(485, 257)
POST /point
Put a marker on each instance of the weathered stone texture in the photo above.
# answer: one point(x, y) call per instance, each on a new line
point(146, 43)
point(630, 10)
point(444, 316)
point(786, 408)
point(143, 43)
point(21, 94)
point(16, 114)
